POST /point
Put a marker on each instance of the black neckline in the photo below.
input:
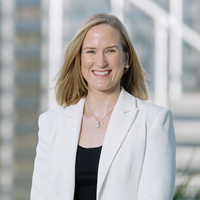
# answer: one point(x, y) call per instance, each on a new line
point(93, 149)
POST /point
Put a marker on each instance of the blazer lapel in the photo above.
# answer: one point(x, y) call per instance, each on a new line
point(70, 124)
point(121, 121)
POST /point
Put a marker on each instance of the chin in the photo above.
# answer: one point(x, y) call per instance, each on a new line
point(104, 88)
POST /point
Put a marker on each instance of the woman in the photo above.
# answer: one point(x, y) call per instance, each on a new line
point(104, 142)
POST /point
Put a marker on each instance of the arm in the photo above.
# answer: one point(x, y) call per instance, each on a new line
point(158, 174)
point(42, 183)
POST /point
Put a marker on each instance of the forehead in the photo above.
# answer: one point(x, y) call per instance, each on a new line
point(103, 33)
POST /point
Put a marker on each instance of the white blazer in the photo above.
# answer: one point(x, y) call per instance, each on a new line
point(137, 160)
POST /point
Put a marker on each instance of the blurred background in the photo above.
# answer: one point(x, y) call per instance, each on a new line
point(33, 37)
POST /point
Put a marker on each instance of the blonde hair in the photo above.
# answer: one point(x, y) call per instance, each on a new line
point(71, 86)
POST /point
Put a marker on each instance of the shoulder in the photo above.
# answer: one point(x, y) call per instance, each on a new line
point(151, 108)
point(49, 114)
point(146, 106)
point(150, 112)
point(146, 109)
point(52, 118)
point(49, 117)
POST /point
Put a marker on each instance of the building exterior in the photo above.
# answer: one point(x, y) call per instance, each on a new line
point(166, 36)
point(22, 66)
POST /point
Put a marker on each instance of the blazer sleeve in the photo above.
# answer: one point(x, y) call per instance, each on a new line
point(158, 173)
point(42, 183)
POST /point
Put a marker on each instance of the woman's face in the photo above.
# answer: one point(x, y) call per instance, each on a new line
point(102, 58)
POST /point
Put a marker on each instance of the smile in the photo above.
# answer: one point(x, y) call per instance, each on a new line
point(101, 73)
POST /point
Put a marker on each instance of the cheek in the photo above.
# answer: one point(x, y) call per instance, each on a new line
point(85, 66)
point(119, 67)
point(118, 63)
point(117, 59)
point(85, 61)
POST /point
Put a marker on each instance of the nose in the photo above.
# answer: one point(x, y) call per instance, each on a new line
point(101, 60)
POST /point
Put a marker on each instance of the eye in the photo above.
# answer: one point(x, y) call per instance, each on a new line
point(91, 52)
point(111, 50)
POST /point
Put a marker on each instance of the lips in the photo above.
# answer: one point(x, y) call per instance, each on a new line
point(101, 73)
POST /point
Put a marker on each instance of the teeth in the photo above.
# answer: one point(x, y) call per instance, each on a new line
point(101, 73)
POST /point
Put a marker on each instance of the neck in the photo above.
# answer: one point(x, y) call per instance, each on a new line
point(101, 102)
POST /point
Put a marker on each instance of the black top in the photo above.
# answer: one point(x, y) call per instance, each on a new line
point(87, 161)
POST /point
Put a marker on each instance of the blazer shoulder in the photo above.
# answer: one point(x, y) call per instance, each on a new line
point(150, 112)
point(149, 107)
point(49, 117)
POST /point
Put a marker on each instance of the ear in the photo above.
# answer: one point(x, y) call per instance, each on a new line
point(126, 57)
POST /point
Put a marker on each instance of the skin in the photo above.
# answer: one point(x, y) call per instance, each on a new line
point(101, 52)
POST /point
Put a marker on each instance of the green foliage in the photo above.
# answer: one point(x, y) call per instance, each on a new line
point(180, 191)
point(197, 195)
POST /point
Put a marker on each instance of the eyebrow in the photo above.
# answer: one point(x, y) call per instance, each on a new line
point(105, 48)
